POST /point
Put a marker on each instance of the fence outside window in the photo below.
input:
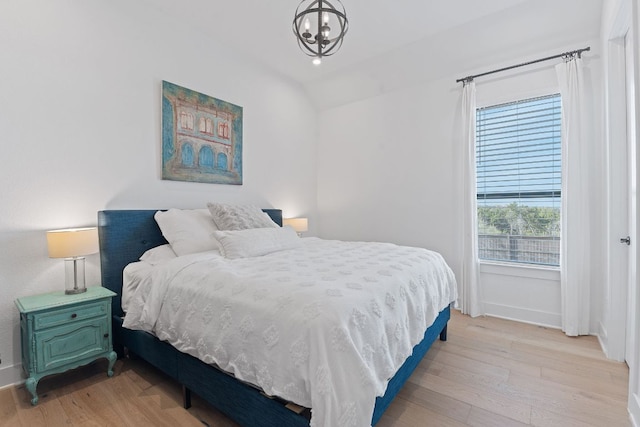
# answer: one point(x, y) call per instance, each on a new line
point(523, 249)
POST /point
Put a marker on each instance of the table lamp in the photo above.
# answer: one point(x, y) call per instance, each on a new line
point(300, 225)
point(73, 244)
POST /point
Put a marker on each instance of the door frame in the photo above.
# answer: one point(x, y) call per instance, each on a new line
point(634, 295)
point(613, 327)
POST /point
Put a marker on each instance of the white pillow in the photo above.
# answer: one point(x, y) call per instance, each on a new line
point(158, 254)
point(239, 217)
point(256, 241)
point(187, 230)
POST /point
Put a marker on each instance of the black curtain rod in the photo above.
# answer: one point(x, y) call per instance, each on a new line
point(562, 55)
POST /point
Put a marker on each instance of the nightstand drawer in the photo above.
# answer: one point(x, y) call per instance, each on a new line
point(67, 344)
point(65, 316)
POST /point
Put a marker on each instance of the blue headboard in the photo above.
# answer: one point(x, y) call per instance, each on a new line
point(124, 236)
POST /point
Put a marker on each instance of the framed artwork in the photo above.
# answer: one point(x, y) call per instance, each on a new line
point(201, 137)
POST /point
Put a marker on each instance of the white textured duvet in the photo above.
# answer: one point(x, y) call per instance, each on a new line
point(325, 325)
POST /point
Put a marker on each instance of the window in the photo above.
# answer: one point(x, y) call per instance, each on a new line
point(187, 154)
point(206, 126)
point(186, 121)
point(205, 160)
point(223, 130)
point(518, 166)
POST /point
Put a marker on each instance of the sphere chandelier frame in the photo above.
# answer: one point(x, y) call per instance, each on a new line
point(319, 14)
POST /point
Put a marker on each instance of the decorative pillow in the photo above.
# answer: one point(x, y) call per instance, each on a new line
point(256, 241)
point(239, 217)
point(158, 254)
point(187, 230)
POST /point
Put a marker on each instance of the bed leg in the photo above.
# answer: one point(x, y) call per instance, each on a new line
point(186, 397)
point(443, 333)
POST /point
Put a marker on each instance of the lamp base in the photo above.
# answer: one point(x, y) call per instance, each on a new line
point(74, 276)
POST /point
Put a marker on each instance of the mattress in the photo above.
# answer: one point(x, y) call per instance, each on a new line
point(324, 325)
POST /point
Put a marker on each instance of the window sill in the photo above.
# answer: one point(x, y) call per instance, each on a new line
point(520, 270)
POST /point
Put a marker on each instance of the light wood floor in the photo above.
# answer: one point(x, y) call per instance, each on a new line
point(490, 372)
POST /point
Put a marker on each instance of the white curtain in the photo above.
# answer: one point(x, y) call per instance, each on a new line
point(575, 245)
point(469, 299)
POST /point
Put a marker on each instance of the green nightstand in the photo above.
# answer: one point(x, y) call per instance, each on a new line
point(61, 332)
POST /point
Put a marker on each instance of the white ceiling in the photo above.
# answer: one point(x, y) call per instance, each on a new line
point(458, 31)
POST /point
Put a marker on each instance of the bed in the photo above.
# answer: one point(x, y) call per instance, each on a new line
point(124, 236)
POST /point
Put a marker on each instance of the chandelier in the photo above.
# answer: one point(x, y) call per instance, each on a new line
point(312, 26)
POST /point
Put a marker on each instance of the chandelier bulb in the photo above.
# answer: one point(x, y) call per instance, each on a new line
point(317, 61)
point(325, 31)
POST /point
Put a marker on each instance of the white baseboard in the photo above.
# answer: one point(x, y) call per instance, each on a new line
point(634, 409)
point(540, 318)
point(602, 331)
point(11, 375)
point(603, 339)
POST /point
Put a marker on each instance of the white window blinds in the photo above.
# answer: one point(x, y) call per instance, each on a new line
point(518, 166)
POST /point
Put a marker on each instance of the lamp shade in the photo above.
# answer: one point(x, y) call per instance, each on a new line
point(298, 224)
point(72, 242)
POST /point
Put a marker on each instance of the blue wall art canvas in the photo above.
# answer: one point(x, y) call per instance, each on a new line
point(201, 137)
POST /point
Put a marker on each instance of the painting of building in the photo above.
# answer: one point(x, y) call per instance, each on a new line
point(201, 137)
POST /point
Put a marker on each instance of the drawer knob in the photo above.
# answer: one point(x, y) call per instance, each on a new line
point(74, 315)
point(106, 335)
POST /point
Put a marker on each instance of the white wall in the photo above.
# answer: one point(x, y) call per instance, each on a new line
point(388, 170)
point(80, 85)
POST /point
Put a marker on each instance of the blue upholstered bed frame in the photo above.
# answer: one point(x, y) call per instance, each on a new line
point(124, 236)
